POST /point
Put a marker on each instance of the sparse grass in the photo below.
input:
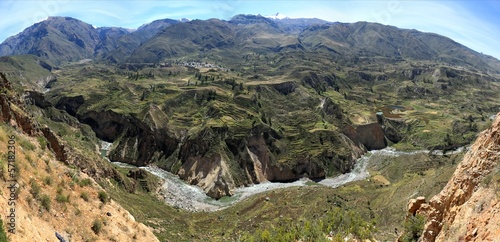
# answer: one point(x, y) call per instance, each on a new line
point(85, 196)
point(42, 141)
point(85, 182)
point(34, 188)
point(97, 226)
point(61, 198)
point(335, 224)
point(45, 201)
point(26, 144)
point(30, 160)
point(3, 234)
point(48, 180)
point(492, 179)
point(60, 188)
point(487, 180)
point(48, 168)
point(103, 196)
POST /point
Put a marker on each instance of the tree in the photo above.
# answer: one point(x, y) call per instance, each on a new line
point(447, 139)
point(413, 228)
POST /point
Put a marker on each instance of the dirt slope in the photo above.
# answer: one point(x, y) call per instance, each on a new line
point(468, 208)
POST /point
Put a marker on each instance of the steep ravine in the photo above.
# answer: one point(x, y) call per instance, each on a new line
point(218, 159)
point(177, 193)
point(468, 207)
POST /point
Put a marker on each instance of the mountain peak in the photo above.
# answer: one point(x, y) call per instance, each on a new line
point(277, 16)
point(60, 18)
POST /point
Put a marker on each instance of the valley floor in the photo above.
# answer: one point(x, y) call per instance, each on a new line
point(377, 189)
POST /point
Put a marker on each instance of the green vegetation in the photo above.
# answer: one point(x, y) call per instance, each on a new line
point(3, 234)
point(85, 196)
point(24, 68)
point(26, 144)
point(239, 113)
point(413, 228)
point(336, 225)
point(103, 196)
point(61, 198)
point(42, 141)
point(45, 201)
point(48, 180)
point(289, 212)
point(292, 96)
point(35, 189)
point(97, 226)
point(492, 181)
point(85, 182)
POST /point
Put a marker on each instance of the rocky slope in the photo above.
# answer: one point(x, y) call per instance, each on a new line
point(230, 103)
point(467, 209)
point(39, 220)
point(218, 159)
point(45, 175)
point(57, 39)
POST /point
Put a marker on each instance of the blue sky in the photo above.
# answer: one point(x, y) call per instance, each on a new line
point(475, 24)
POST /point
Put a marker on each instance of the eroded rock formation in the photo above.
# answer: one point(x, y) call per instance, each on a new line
point(371, 136)
point(218, 159)
point(468, 208)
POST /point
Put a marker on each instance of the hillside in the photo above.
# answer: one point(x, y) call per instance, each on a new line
point(59, 40)
point(466, 207)
point(356, 43)
point(212, 101)
point(226, 105)
point(46, 191)
point(126, 44)
point(28, 71)
point(52, 197)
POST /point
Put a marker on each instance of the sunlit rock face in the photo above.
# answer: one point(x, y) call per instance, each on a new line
point(467, 208)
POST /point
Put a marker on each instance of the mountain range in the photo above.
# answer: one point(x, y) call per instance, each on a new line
point(63, 39)
point(226, 104)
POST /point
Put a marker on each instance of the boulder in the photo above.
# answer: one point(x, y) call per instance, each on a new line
point(415, 204)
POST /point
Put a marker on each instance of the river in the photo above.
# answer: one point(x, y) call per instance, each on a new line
point(179, 194)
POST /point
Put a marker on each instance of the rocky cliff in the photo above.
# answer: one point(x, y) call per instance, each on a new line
point(36, 215)
point(468, 208)
point(220, 157)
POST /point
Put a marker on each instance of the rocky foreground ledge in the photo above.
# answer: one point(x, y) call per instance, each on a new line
point(468, 207)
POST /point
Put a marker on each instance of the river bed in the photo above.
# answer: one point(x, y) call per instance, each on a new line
point(179, 194)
